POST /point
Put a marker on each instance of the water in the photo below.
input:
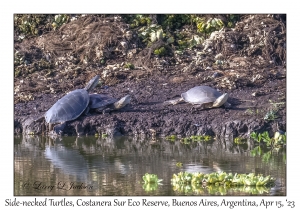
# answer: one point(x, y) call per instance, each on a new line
point(95, 166)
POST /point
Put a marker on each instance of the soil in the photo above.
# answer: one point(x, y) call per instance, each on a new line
point(256, 87)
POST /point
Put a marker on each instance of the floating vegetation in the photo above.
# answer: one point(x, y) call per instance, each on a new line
point(274, 144)
point(219, 189)
point(179, 164)
point(222, 179)
point(151, 178)
point(196, 138)
point(256, 151)
point(151, 182)
point(171, 138)
point(267, 155)
point(278, 139)
point(191, 139)
point(104, 135)
point(150, 187)
point(239, 140)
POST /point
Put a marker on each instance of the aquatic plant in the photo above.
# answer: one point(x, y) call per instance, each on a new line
point(179, 164)
point(104, 135)
point(266, 156)
point(239, 140)
point(219, 189)
point(221, 178)
point(151, 178)
point(171, 138)
point(257, 180)
point(278, 139)
point(150, 186)
point(185, 141)
point(190, 139)
point(268, 153)
point(151, 182)
point(182, 178)
point(256, 151)
point(200, 138)
point(256, 136)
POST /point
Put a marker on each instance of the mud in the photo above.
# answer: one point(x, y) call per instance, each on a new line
point(147, 112)
point(255, 90)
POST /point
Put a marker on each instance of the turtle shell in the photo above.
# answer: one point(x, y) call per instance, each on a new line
point(68, 107)
point(100, 100)
point(201, 95)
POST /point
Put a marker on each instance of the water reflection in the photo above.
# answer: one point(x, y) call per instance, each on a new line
point(103, 166)
point(69, 161)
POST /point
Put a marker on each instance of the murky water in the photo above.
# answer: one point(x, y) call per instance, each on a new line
point(95, 166)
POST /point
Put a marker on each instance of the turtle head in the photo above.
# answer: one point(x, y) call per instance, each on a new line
point(122, 102)
point(221, 100)
point(92, 83)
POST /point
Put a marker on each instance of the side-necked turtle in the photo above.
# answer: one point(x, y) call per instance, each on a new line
point(203, 97)
point(70, 106)
point(104, 103)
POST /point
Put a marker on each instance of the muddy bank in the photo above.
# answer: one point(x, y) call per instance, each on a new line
point(247, 61)
point(147, 112)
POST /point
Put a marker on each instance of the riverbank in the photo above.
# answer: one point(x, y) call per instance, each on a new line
point(255, 82)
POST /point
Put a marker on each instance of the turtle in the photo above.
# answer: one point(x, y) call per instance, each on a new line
point(104, 103)
point(70, 107)
point(204, 97)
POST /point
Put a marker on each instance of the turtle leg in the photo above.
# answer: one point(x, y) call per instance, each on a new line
point(107, 110)
point(227, 105)
point(198, 107)
point(122, 102)
point(58, 129)
point(103, 110)
point(174, 101)
point(87, 111)
point(50, 126)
